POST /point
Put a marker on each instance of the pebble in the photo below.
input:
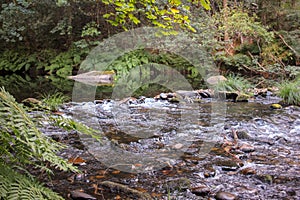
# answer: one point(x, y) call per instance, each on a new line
point(200, 190)
point(248, 171)
point(178, 146)
point(247, 148)
point(225, 196)
point(209, 172)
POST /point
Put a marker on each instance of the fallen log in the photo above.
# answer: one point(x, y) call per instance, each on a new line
point(95, 77)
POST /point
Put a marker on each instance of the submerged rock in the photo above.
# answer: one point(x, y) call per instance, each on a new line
point(246, 148)
point(77, 195)
point(225, 196)
point(228, 165)
point(242, 134)
point(248, 171)
point(200, 190)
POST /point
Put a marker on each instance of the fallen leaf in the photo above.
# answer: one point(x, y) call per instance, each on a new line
point(155, 195)
point(77, 161)
point(116, 172)
point(141, 189)
point(99, 177)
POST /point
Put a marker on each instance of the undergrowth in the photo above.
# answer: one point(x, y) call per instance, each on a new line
point(289, 91)
point(23, 145)
point(233, 83)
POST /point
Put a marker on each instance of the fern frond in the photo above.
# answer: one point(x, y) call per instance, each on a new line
point(21, 140)
point(69, 124)
point(17, 186)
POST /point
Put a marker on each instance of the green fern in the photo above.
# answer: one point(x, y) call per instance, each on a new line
point(22, 144)
point(69, 124)
point(14, 185)
point(21, 139)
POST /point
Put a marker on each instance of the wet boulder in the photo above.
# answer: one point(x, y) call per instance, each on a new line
point(213, 80)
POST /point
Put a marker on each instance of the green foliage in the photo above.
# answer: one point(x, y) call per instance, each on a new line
point(23, 144)
point(140, 57)
point(166, 16)
point(128, 61)
point(53, 101)
point(13, 185)
point(29, 23)
point(292, 71)
point(90, 29)
point(239, 25)
point(65, 62)
point(290, 92)
point(61, 64)
point(69, 124)
point(21, 139)
point(237, 61)
point(22, 87)
point(13, 17)
point(280, 14)
point(17, 61)
point(233, 84)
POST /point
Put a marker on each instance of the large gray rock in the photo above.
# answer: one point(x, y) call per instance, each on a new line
point(213, 80)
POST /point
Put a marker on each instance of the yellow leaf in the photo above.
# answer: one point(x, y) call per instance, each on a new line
point(174, 10)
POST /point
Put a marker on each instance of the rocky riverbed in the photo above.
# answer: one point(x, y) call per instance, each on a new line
point(154, 148)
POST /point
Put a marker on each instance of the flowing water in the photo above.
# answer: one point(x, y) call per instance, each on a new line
point(195, 150)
